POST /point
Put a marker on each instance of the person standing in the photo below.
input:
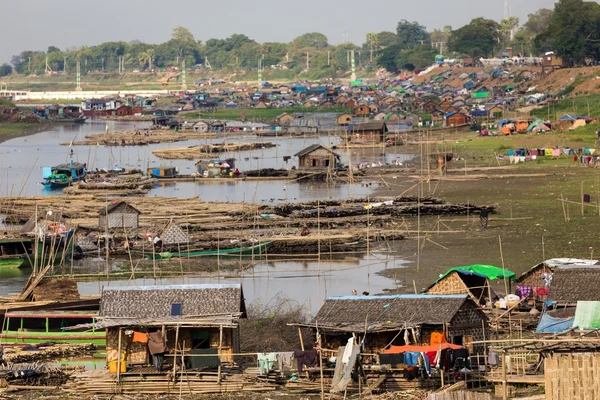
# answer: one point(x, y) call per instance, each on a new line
point(483, 216)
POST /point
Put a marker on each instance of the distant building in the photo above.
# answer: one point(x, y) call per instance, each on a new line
point(368, 133)
point(119, 214)
point(317, 156)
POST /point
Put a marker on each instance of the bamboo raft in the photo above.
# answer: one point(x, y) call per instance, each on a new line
point(208, 150)
point(140, 138)
point(101, 382)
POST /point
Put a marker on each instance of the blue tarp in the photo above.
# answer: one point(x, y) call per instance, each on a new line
point(550, 324)
point(479, 113)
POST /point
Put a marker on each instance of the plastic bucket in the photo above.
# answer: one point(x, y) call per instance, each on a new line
point(113, 365)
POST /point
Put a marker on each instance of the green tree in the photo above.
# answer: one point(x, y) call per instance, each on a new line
point(411, 34)
point(538, 22)
point(387, 38)
point(478, 39)
point(507, 29)
point(314, 40)
point(183, 35)
point(574, 30)
point(5, 70)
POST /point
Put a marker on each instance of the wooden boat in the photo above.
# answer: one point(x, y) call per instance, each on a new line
point(15, 253)
point(19, 252)
point(49, 326)
point(235, 252)
point(73, 170)
point(57, 181)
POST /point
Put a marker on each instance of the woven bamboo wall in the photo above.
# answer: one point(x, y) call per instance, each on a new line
point(572, 376)
point(451, 284)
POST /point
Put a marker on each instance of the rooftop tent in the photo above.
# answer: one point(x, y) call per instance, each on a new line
point(488, 271)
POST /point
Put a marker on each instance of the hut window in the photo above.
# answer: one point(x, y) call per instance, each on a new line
point(327, 163)
point(314, 162)
point(175, 309)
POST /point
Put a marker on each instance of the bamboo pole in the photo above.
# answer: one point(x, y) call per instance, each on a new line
point(220, 351)
point(175, 352)
point(119, 348)
point(504, 387)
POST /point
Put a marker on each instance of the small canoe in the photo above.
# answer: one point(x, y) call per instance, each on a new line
point(235, 252)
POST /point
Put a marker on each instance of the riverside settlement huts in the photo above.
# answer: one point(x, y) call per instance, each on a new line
point(119, 214)
point(385, 318)
point(199, 319)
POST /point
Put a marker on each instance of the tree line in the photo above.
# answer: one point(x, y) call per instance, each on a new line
point(571, 30)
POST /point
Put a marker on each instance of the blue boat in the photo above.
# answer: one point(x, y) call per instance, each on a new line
point(73, 171)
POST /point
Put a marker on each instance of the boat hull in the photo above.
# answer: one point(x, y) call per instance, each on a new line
point(234, 253)
point(55, 186)
point(13, 263)
point(96, 338)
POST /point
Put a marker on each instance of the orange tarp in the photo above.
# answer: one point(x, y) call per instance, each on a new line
point(419, 349)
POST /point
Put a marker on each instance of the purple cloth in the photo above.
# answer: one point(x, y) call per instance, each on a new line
point(525, 291)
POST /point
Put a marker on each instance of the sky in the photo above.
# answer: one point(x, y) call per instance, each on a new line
point(37, 24)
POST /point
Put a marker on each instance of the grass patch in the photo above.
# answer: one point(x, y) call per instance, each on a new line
point(6, 103)
point(581, 105)
point(10, 128)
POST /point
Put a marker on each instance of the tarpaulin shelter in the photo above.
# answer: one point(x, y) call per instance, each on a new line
point(488, 271)
point(587, 315)
point(550, 324)
point(473, 280)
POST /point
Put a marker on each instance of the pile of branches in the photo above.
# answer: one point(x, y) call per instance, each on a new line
point(269, 172)
point(34, 374)
point(266, 328)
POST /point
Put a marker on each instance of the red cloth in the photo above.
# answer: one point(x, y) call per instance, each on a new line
point(419, 349)
point(575, 158)
point(541, 291)
point(431, 355)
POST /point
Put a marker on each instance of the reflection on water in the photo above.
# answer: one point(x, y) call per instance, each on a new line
point(307, 282)
point(21, 159)
point(87, 363)
point(261, 191)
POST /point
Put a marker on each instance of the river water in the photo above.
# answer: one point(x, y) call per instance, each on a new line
point(21, 160)
point(308, 282)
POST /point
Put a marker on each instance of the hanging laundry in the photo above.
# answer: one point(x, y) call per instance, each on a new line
point(493, 358)
point(284, 359)
point(305, 358)
point(437, 338)
point(555, 152)
point(140, 337)
point(524, 291)
point(389, 203)
point(592, 151)
point(266, 362)
point(411, 358)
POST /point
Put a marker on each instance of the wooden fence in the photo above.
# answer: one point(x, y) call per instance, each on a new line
point(573, 376)
point(462, 395)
